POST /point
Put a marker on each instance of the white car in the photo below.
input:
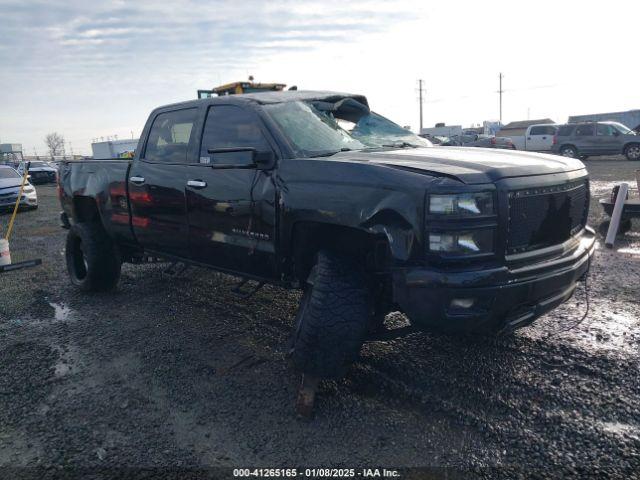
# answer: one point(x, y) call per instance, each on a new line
point(10, 181)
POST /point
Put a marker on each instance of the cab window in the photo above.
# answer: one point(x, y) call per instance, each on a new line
point(170, 135)
point(227, 127)
point(543, 130)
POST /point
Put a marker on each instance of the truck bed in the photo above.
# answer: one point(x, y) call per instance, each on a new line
point(104, 181)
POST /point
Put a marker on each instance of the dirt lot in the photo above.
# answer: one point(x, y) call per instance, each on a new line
point(182, 374)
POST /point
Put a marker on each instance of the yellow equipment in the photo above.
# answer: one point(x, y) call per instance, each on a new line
point(238, 88)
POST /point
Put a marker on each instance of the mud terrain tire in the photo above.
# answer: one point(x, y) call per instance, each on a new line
point(93, 261)
point(332, 319)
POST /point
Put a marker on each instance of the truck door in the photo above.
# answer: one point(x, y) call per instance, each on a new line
point(231, 203)
point(157, 182)
point(585, 139)
point(540, 138)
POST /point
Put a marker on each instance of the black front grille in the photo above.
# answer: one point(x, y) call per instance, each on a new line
point(42, 175)
point(544, 216)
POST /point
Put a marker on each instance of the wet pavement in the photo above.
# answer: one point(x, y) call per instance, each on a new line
point(181, 373)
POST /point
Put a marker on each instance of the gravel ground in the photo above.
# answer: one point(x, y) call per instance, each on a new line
point(182, 374)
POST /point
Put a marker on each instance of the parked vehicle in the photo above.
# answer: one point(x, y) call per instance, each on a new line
point(41, 172)
point(365, 219)
point(537, 138)
point(596, 138)
point(483, 141)
point(10, 181)
point(439, 140)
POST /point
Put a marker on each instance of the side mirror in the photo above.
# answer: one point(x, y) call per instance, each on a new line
point(616, 133)
point(265, 160)
point(239, 157)
point(234, 157)
point(28, 178)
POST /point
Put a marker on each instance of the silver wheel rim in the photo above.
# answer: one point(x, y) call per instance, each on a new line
point(568, 152)
point(634, 152)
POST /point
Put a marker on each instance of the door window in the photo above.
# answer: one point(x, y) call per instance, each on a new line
point(604, 130)
point(170, 136)
point(229, 126)
point(584, 131)
point(543, 130)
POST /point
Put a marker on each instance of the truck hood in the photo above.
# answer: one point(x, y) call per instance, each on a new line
point(10, 183)
point(470, 165)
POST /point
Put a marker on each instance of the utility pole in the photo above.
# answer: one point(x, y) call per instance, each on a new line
point(500, 93)
point(420, 90)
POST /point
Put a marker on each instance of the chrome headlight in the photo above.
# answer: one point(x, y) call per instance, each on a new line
point(28, 188)
point(468, 242)
point(463, 204)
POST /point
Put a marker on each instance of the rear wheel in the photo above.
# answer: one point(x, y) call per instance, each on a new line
point(632, 152)
point(93, 261)
point(569, 151)
point(332, 319)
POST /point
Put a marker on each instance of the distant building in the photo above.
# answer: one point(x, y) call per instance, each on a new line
point(630, 118)
point(491, 127)
point(10, 153)
point(515, 129)
point(114, 149)
point(442, 130)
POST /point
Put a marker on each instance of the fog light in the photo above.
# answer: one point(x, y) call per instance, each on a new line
point(462, 303)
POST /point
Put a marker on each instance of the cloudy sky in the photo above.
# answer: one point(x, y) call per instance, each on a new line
point(92, 69)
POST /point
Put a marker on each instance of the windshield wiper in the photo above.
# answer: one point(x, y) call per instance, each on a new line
point(330, 154)
point(401, 145)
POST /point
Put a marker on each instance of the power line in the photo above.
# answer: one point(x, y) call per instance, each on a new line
point(420, 90)
point(500, 91)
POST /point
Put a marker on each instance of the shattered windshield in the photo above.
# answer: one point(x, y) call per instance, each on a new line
point(320, 129)
point(311, 133)
point(376, 131)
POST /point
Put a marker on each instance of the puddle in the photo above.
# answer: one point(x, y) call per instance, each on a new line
point(612, 331)
point(61, 311)
point(629, 250)
point(621, 429)
point(61, 369)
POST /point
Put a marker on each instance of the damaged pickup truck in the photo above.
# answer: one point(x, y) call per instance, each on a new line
point(313, 190)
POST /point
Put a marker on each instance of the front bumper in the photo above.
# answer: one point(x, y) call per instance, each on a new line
point(28, 200)
point(506, 297)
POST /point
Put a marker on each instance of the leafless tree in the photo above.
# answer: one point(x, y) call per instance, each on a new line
point(55, 143)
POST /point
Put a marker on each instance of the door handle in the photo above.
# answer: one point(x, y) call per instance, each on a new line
point(196, 184)
point(136, 180)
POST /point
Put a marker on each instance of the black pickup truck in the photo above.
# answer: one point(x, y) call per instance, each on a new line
point(313, 190)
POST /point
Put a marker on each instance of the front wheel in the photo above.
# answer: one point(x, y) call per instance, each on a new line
point(93, 261)
point(632, 152)
point(332, 319)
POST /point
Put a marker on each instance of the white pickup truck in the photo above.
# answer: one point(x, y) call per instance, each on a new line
point(537, 138)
